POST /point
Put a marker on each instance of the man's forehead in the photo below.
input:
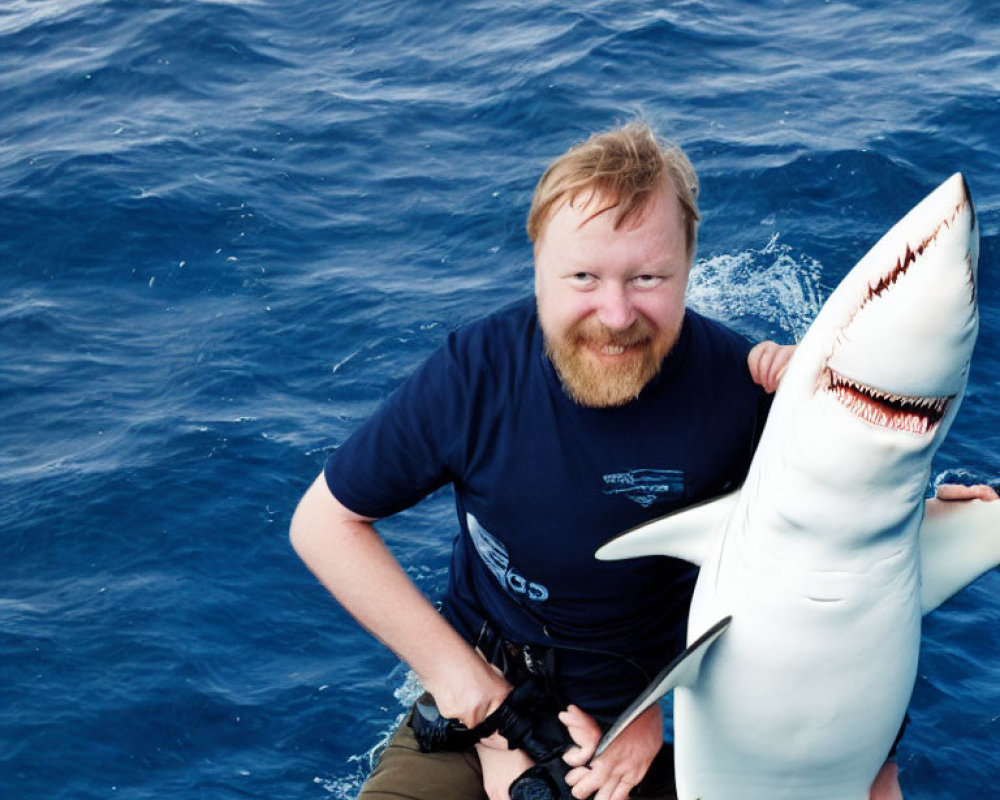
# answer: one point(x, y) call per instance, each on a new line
point(594, 202)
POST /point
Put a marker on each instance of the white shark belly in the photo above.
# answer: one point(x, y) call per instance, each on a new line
point(800, 719)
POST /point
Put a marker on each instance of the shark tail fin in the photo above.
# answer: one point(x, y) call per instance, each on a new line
point(957, 545)
point(682, 671)
point(686, 534)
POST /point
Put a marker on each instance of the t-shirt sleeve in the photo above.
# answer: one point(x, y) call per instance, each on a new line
point(409, 446)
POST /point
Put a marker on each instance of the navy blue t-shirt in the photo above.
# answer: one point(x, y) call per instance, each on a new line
point(542, 482)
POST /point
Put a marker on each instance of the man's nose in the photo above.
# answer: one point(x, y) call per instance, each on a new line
point(616, 310)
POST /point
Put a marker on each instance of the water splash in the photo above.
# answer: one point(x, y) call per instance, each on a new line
point(761, 292)
point(344, 787)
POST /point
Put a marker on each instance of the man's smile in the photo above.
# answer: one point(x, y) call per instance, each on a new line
point(614, 345)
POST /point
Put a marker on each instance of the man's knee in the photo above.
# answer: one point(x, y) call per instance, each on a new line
point(403, 772)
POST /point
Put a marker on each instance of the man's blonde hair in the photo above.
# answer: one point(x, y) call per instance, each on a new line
point(622, 168)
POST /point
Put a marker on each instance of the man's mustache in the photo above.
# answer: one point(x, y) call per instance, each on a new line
point(597, 333)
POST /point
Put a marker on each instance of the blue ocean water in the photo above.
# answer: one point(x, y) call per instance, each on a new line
point(229, 228)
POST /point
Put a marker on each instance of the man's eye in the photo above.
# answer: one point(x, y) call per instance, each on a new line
point(647, 281)
point(581, 278)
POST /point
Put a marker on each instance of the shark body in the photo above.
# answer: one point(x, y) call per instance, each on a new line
point(804, 629)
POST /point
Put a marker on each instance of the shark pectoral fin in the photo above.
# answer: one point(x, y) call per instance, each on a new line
point(682, 671)
point(685, 534)
point(957, 545)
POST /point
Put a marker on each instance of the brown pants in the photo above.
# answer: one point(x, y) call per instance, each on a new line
point(404, 773)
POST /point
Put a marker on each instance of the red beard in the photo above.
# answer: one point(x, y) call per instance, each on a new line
point(611, 379)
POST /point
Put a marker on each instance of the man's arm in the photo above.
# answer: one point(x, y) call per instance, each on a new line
point(350, 559)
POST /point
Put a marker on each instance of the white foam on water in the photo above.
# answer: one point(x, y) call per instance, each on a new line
point(760, 292)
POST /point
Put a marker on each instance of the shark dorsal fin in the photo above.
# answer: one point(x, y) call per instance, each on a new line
point(682, 671)
point(957, 545)
point(687, 534)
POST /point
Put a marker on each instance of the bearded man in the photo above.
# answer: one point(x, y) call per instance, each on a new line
point(560, 421)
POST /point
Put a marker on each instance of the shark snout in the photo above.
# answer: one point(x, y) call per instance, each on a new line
point(914, 318)
point(894, 342)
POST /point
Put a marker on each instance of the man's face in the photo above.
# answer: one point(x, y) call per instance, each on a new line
point(611, 302)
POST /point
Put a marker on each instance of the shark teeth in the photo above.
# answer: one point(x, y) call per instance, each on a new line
point(912, 414)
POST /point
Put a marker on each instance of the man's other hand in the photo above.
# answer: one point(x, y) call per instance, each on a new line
point(886, 786)
point(951, 492)
point(767, 362)
point(618, 769)
point(500, 766)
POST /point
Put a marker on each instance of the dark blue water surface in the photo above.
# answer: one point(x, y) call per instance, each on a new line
point(228, 229)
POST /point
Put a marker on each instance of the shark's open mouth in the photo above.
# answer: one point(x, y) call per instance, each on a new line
point(893, 411)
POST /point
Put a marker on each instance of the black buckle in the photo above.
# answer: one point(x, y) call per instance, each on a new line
point(527, 719)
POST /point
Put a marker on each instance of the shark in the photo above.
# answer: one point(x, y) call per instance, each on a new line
point(804, 627)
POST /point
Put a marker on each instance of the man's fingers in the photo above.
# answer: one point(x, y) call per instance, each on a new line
point(587, 784)
point(500, 769)
point(494, 741)
point(780, 375)
point(584, 730)
point(951, 491)
point(599, 780)
point(767, 361)
point(621, 792)
point(577, 756)
point(583, 783)
point(762, 364)
point(574, 776)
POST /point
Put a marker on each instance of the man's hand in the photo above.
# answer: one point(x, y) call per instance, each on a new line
point(619, 768)
point(886, 786)
point(767, 362)
point(467, 692)
point(500, 766)
point(952, 491)
point(950, 496)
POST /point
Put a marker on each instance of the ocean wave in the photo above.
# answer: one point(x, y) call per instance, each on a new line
point(229, 229)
